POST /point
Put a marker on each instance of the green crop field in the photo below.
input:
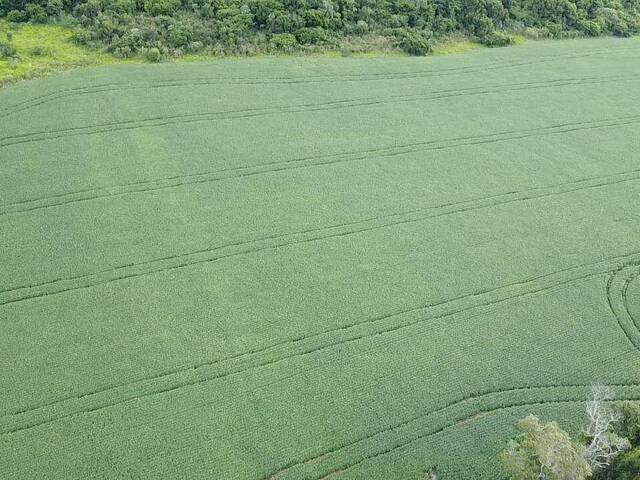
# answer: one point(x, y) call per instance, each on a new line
point(315, 268)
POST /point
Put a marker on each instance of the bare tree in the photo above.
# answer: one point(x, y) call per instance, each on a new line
point(604, 445)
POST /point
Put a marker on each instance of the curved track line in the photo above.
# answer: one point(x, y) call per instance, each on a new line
point(265, 356)
point(107, 87)
point(303, 162)
point(257, 112)
point(617, 286)
point(172, 262)
point(459, 419)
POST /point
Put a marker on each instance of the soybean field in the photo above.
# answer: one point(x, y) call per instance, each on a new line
point(315, 267)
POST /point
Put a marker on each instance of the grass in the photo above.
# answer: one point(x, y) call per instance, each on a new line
point(456, 46)
point(298, 267)
point(45, 49)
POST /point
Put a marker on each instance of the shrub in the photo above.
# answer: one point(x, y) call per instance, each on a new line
point(361, 27)
point(161, 7)
point(196, 46)
point(54, 8)
point(614, 22)
point(113, 6)
point(312, 35)
point(590, 28)
point(179, 34)
point(411, 41)
point(629, 425)
point(36, 13)
point(497, 39)
point(7, 50)
point(122, 52)
point(625, 467)
point(283, 41)
point(153, 55)
point(17, 16)
point(39, 51)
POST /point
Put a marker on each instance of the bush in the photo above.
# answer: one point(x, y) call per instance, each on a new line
point(161, 7)
point(497, 39)
point(7, 50)
point(153, 55)
point(17, 16)
point(614, 22)
point(36, 13)
point(39, 51)
point(629, 425)
point(625, 467)
point(590, 28)
point(54, 8)
point(315, 35)
point(411, 41)
point(283, 41)
point(179, 34)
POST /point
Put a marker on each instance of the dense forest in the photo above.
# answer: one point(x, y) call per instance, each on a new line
point(172, 27)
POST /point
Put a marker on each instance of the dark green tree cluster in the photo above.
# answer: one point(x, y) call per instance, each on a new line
point(627, 465)
point(608, 449)
point(127, 27)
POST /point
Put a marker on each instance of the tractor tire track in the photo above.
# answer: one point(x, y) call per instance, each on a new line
point(109, 87)
point(625, 298)
point(284, 109)
point(617, 286)
point(177, 378)
point(178, 181)
point(207, 255)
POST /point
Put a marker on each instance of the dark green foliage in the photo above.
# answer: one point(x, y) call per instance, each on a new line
point(629, 426)
point(496, 38)
point(283, 41)
point(312, 35)
point(624, 467)
point(17, 16)
point(36, 13)
point(6, 50)
point(627, 465)
point(587, 17)
point(411, 42)
point(161, 7)
point(126, 27)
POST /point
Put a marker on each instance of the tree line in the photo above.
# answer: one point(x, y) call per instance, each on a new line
point(174, 27)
